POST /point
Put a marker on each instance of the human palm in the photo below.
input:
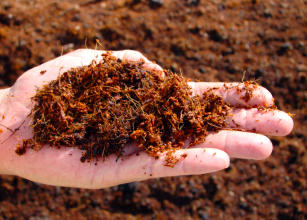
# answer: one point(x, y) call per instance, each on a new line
point(62, 166)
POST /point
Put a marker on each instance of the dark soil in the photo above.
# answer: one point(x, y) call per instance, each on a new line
point(206, 40)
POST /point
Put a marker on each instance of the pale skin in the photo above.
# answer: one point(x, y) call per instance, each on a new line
point(62, 167)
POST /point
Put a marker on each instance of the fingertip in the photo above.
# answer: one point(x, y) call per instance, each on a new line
point(221, 156)
point(266, 96)
point(256, 147)
point(206, 160)
point(192, 161)
point(239, 144)
point(286, 124)
point(260, 97)
point(225, 161)
point(263, 148)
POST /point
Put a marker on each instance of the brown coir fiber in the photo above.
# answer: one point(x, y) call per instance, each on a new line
point(101, 107)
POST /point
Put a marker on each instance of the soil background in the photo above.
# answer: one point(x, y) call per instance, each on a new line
point(205, 40)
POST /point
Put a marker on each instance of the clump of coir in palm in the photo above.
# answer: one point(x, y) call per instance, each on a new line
point(101, 107)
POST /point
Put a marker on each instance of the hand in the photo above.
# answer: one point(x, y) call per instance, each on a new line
point(62, 167)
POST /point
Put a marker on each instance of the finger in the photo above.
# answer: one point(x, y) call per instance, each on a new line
point(193, 161)
point(63, 167)
point(239, 144)
point(270, 122)
point(235, 93)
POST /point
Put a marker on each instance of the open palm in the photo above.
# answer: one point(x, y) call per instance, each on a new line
point(62, 166)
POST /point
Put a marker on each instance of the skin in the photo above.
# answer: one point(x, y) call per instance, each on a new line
point(62, 167)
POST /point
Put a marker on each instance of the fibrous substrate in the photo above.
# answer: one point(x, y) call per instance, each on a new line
point(101, 107)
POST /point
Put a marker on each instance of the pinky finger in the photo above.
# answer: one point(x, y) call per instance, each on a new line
point(62, 167)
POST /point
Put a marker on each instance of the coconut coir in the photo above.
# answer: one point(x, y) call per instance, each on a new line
point(101, 107)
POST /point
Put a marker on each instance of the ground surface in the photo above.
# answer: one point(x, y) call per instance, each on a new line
point(206, 40)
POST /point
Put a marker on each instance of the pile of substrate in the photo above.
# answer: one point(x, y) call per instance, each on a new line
point(101, 107)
